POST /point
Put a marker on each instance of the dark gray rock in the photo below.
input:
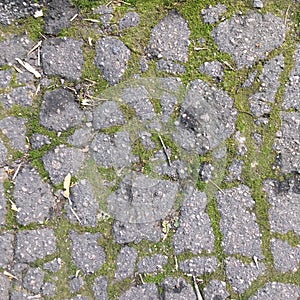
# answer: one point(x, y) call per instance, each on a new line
point(143, 64)
point(34, 244)
point(62, 57)
point(250, 79)
point(206, 172)
point(75, 284)
point(4, 287)
point(5, 78)
point(212, 14)
point(277, 291)
point(214, 69)
point(38, 140)
point(194, 233)
point(177, 289)
point(86, 254)
point(3, 153)
point(48, 289)
point(239, 228)
point(106, 14)
point(152, 264)
point(19, 296)
point(15, 130)
point(34, 204)
point(240, 276)
point(125, 262)
point(62, 160)
point(215, 290)
point(169, 39)
point(258, 4)
point(248, 37)
point(286, 258)
point(6, 249)
point(141, 292)
point(58, 15)
point(130, 19)
point(111, 58)
point(198, 266)
point(34, 280)
point(81, 137)
point(235, 170)
point(53, 265)
point(100, 288)
point(169, 67)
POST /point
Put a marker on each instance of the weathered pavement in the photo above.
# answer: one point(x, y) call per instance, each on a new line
point(179, 124)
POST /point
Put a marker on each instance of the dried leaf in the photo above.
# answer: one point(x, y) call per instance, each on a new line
point(9, 275)
point(29, 68)
point(67, 183)
point(38, 13)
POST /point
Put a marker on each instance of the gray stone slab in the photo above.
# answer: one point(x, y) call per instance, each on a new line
point(5, 78)
point(238, 225)
point(38, 140)
point(3, 208)
point(277, 291)
point(86, 254)
point(6, 249)
point(111, 58)
point(284, 200)
point(142, 292)
point(62, 160)
point(287, 142)
point(169, 67)
point(48, 289)
point(4, 287)
point(240, 35)
point(34, 244)
point(3, 153)
point(34, 204)
point(286, 258)
point(240, 276)
point(125, 262)
point(169, 39)
point(235, 170)
point(53, 265)
point(194, 232)
point(292, 89)
point(83, 203)
point(198, 266)
point(250, 79)
point(167, 102)
point(152, 264)
point(59, 110)
point(15, 295)
point(215, 290)
point(214, 69)
point(212, 14)
point(62, 57)
point(130, 19)
point(34, 280)
point(100, 288)
point(75, 284)
point(15, 130)
point(177, 289)
point(81, 137)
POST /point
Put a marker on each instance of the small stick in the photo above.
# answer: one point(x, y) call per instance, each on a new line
point(74, 17)
point(89, 80)
point(17, 171)
point(38, 88)
point(18, 70)
point(176, 262)
point(142, 280)
point(198, 294)
point(39, 57)
point(29, 68)
point(38, 45)
point(286, 14)
point(228, 65)
point(200, 48)
point(216, 186)
point(165, 150)
point(74, 213)
point(92, 20)
point(10, 275)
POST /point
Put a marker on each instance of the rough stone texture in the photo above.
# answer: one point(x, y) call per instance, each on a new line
point(194, 233)
point(286, 258)
point(4, 287)
point(79, 297)
point(75, 284)
point(212, 14)
point(142, 292)
point(260, 101)
point(62, 57)
point(38, 140)
point(235, 170)
point(206, 118)
point(53, 265)
point(34, 204)
point(106, 115)
point(250, 79)
point(240, 232)
point(177, 289)
point(198, 265)
point(20, 296)
point(169, 67)
point(33, 280)
point(86, 254)
point(284, 199)
point(125, 262)
point(106, 14)
point(81, 137)
point(240, 35)
point(152, 264)
point(58, 15)
point(34, 244)
point(100, 288)
point(111, 58)
point(277, 291)
point(214, 69)
point(169, 39)
point(240, 276)
point(5, 78)
point(48, 289)
point(215, 290)
point(292, 89)
point(83, 203)
point(258, 4)
point(15, 130)
point(3, 208)
point(62, 160)
point(6, 249)
point(112, 150)
point(287, 142)
point(130, 19)
point(59, 110)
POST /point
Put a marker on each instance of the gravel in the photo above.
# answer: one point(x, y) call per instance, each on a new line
point(214, 69)
point(169, 67)
point(131, 19)
point(212, 14)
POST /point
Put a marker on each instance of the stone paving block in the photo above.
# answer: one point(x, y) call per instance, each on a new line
point(79, 297)
point(215, 290)
point(5, 78)
point(38, 140)
point(111, 58)
point(198, 266)
point(34, 204)
point(214, 69)
point(235, 170)
point(142, 292)
point(33, 280)
point(75, 284)
point(3, 208)
point(240, 276)
point(130, 19)
point(194, 233)
point(286, 258)
point(62, 57)
point(4, 287)
point(125, 262)
point(169, 67)
point(152, 264)
point(15, 295)
point(34, 244)
point(53, 265)
point(287, 142)
point(100, 288)
point(167, 102)
point(239, 228)
point(212, 14)
point(86, 254)
point(177, 289)
point(48, 289)
point(285, 205)
point(81, 137)
point(62, 160)
point(59, 110)
point(277, 291)
point(169, 39)
point(6, 249)
point(15, 130)
point(240, 35)
point(250, 79)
